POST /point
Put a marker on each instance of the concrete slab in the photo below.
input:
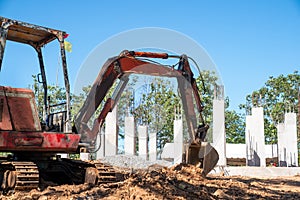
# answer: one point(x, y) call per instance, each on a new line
point(258, 171)
point(239, 150)
point(271, 150)
point(235, 150)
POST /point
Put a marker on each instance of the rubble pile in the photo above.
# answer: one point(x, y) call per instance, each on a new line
point(177, 182)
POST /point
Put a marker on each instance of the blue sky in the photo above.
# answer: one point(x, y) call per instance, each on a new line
point(247, 40)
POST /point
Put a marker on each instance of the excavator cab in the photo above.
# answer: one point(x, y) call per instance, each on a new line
point(37, 37)
point(21, 129)
point(35, 145)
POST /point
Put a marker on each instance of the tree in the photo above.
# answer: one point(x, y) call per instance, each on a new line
point(206, 83)
point(57, 95)
point(156, 108)
point(234, 122)
point(234, 127)
point(278, 95)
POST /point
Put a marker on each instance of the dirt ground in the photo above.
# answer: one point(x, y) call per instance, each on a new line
point(179, 182)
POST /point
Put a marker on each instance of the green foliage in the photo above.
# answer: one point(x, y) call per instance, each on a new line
point(234, 122)
point(78, 100)
point(235, 127)
point(74, 156)
point(157, 109)
point(206, 89)
point(57, 95)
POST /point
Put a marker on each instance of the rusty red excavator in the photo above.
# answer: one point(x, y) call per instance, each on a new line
point(34, 144)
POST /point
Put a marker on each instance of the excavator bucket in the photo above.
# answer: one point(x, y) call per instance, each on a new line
point(209, 156)
point(192, 155)
point(203, 156)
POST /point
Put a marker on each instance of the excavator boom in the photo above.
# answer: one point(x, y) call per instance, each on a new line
point(130, 62)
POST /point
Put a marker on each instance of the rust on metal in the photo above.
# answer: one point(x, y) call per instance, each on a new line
point(21, 141)
point(19, 112)
point(1, 108)
point(61, 37)
point(23, 32)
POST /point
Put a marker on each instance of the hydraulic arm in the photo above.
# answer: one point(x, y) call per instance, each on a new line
point(131, 62)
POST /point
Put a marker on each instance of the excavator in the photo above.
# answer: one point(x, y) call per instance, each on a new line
point(35, 144)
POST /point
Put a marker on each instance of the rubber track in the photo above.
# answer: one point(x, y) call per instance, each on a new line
point(106, 173)
point(27, 175)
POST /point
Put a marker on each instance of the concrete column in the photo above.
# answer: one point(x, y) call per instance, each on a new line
point(255, 138)
point(219, 139)
point(111, 133)
point(290, 129)
point(129, 138)
point(281, 145)
point(249, 141)
point(152, 147)
point(178, 141)
point(259, 131)
point(143, 141)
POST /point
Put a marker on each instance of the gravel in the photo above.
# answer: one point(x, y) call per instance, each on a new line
point(134, 162)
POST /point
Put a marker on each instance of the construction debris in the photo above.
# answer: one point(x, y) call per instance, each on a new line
point(178, 182)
